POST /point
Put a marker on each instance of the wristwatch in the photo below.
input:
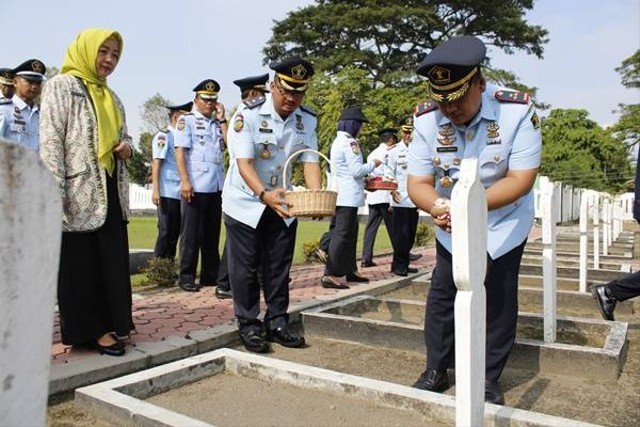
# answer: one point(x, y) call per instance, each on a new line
point(261, 195)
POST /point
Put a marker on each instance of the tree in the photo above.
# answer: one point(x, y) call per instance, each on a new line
point(388, 38)
point(577, 151)
point(140, 164)
point(154, 113)
point(628, 126)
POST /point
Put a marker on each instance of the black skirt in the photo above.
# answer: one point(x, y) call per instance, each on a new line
point(94, 287)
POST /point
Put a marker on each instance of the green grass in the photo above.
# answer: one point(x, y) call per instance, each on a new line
point(143, 232)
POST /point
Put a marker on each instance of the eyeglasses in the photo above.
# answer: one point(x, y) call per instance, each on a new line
point(296, 96)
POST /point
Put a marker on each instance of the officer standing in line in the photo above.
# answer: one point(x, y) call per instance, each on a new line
point(260, 232)
point(405, 213)
point(199, 143)
point(7, 85)
point(20, 119)
point(166, 184)
point(378, 201)
point(406, 128)
point(467, 118)
point(252, 91)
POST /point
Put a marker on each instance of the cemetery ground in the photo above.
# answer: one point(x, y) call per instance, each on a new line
point(609, 403)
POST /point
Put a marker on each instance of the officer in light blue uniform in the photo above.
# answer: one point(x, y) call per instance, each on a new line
point(20, 118)
point(166, 184)
point(260, 232)
point(467, 118)
point(350, 172)
point(199, 143)
point(252, 92)
point(405, 213)
point(7, 85)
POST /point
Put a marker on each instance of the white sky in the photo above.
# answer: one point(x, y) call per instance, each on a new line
point(170, 46)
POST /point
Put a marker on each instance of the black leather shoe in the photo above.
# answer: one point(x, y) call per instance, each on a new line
point(326, 282)
point(492, 393)
point(606, 303)
point(189, 287)
point(400, 271)
point(412, 270)
point(254, 341)
point(357, 279)
point(433, 380)
point(285, 337)
point(321, 255)
point(222, 293)
point(366, 264)
point(413, 257)
point(115, 349)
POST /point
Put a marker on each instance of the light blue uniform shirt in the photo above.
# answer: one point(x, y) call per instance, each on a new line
point(163, 149)
point(380, 196)
point(19, 123)
point(503, 136)
point(202, 137)
point(398, 164)
point(259, 133)
point(350, 171)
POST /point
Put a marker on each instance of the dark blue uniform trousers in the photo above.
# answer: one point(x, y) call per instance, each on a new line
point(200, 234)
point(626, 287)
point(405, 224)
point(501, 285)
point(377, 213)
point(343, 230)
point(269, 246)
point(168, 228)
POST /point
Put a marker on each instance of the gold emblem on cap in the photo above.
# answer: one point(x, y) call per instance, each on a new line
point(37, 66)
point(210, 87)
point(439, 75)
point(298, 72)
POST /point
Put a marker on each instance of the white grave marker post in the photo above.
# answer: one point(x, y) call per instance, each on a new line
point(549, 200)
point(30, 233)
point(469, 236)
point(584, 240)
point(617, 215)
point(596, 230)
point(610, 221)
point(605, 226)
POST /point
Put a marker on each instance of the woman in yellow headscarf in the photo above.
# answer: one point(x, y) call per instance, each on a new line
point(84, 143)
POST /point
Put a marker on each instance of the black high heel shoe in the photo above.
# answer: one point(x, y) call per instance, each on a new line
point(115, 349)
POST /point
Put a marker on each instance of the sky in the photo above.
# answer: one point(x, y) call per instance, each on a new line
point(171, 46)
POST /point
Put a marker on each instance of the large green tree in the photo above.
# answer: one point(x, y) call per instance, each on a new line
point(140, 163)
point(577, 151)
point(154, 113)
point(628, 126)
point(387, 38)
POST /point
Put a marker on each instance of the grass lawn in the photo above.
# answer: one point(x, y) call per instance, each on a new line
point(143, 232)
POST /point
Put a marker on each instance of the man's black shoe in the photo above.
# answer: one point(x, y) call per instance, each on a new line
point(413, 257)
point(285, 337)
point(189, 287)
point(400, 271)
point(254, 341)
point(433, 380)
point(357, 279)
point(412, 270)
point(222, 293)
point(492, 393)
point(366, 264)
point(606, 303)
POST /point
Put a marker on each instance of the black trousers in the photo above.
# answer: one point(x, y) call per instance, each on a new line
point(405, 224)
point(377, 213)
point(200, 234)
point(270, 247)
point(168, 228)
point(223, 270)
point(342, 247)
point(626, 287)
point(501, 285)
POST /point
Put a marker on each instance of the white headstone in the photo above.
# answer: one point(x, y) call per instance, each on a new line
point(30, 233)
point(469, 236)
point(605, 226)
point(596, 230)
point(584, 241)
point(549, 202)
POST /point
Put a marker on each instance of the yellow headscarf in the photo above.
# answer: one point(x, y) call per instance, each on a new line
point(80, 61)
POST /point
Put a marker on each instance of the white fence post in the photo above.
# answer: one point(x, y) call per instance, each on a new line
point(584, 241)
point(596, 230)
point(469, 235)
point(30, 233)
point(549, 200)
point(605, 226)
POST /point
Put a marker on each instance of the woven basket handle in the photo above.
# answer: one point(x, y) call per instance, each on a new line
point(334, 183)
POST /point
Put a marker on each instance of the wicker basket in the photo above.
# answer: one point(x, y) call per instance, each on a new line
point(310, 203)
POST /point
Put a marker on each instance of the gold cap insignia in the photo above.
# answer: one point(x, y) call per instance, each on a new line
point(298, 72)
point(210, 87)
point(439, 75)
point(37, 66)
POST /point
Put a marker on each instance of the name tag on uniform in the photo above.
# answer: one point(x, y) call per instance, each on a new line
point(449, 149)
point(494, 142)
point(265, 130)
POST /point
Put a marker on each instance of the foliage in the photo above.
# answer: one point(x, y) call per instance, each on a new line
point(628, 126)
point(154, 113)
point(386, 39)
point(308, 249)
point(577, 151)
point(424, 234)
point(160, 272)
point(139, 165)
point(629, 70)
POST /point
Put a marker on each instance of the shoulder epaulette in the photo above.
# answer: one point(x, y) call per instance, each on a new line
point(308, 110)
point(425, 107)
point(512, 96)
point(254, 102)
